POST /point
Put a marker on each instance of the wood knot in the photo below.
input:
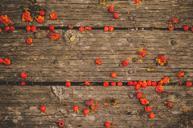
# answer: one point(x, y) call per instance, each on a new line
point(71, 36)
point(173, 42)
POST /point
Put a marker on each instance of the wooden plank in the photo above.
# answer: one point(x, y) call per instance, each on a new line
point(152, 13)
point(75, 60)
point(22, 105)
point(159, 11)
point(62, 60)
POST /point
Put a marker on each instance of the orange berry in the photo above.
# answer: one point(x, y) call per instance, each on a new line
point(98, 61)
point(113, 74)
point(53, 15)
point(151, 115)
point(29, 40)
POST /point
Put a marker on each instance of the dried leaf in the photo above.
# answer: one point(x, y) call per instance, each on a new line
point(72, 38)
point(140, 60)
point(150, 69)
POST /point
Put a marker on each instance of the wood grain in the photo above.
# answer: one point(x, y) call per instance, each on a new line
point(20, 107)
point(150, 14)
point(143, 26)
point(75, 60)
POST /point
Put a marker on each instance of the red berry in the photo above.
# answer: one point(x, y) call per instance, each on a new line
point(0, 30)
point(139, 95)
point(68, 83)
point(43, 108)
point(134, 83)
point(81, 29)
point(180, 74)
point(188, 84)
point(144, 84)
point(130, 83)
point(12, 28)
point(125, 63)
point(60, 123)
point(159, 89)
point(111, 28)
point(144, 101)
point(142, 52)
point(28, 28)
point(42, 12)
point(88, 28)
point(165, 80)
point(33, 28)
point(186, 27)
point(137, 1)
point(29, 40)
point(98, 61)
point(175, 20)
point(106, 29)
point(137, 86)
point(111, 9)
point(87, 83)
point(192, 29)
point(119, 83)
point(113, 83)
point(149, 82)
point(107, 124)
point(140, 82)
point(154, 83)
point(148, 108)
point(53, 15)
point(105, 84)
point(116, 15)
point(1, 60)
point(51, 28)
point(86, 111)
point(151, 115)
point(7, 28)
point(7, 61)
point(75, 108)
point(23, 75)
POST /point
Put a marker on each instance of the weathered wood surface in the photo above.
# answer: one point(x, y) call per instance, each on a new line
point(20, 107)
point(61, 60)
point(151, 13)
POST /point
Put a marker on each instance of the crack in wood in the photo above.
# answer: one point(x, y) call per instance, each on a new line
point(102, 28)
point(62, 83)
